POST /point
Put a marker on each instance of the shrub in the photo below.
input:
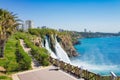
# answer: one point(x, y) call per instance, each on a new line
point(5, 78)
point(22, 58)
point(11, 66)
point(40, 54)
point(9, 61)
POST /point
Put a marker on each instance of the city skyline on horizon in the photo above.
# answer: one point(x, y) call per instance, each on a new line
point(76, 15)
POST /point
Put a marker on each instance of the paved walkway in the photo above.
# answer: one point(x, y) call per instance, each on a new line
point(41, 73)
point(34, 63)
point(48, 73)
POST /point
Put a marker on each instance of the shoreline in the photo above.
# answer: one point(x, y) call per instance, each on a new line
point(108, 40)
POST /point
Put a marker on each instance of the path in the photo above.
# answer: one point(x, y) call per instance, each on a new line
point(47, 73)
point(34, 63)
point(42, 73)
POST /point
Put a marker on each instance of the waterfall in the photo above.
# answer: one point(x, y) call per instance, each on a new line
point(42, 44)
point(52, 54)
point(61, 54)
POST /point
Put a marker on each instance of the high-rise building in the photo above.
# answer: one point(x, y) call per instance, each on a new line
point(85, 30)
point(20, 26)
point(28, 24)
point(43, 27)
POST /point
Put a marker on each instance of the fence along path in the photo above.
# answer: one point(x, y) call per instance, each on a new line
point(78, 72)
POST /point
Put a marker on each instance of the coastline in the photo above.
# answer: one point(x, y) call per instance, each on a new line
point(100, 54)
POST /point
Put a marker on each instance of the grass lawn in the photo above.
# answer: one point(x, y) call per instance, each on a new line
point(9, 62)
point(9, 59)
point(5, 78)
point(9, 54)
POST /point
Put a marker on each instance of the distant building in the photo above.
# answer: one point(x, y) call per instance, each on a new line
point(38, 27)
point(61, 30)
point(21, 26)
point(118, 32)
point(85, 30)
point(28, 25)
point(89, 31)
point(43, 27)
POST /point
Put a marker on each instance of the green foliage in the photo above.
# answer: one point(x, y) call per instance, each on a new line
point(51, 33)
point(42, 32)
point(20, 35)
point(9, 61)
point(28, 42)
point(22, 58)
point(11, 66)
point(8, 24)
point(40, 54)
point(5, 78)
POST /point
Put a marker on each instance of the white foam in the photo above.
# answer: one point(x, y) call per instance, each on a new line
point(61, 53)
point(93, 67)
point(52, 54)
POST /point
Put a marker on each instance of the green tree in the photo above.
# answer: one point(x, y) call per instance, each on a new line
point(8, 24)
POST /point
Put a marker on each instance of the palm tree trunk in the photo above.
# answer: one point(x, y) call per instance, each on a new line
point(2, 46)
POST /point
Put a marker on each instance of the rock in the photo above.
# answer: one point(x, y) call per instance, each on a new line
point(2, 69)
point(37, 41)
point(52, 43)
point(76, 42)
point(66, 43)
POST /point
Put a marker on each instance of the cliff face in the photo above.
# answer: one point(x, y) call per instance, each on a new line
point(67, 45)
point(52, 42)
point(75, 36)
point(64, 38)
point(37, 41)
point(65, 42)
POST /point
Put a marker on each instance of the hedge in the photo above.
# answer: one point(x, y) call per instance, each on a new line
point(5, 78)
point(40, 54)
point(9, 62)
point(22, 58)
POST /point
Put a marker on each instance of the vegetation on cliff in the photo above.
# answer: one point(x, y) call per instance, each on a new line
point(75, 36)
point(39, 53)
point(23, 60)
point(15, 59)
point(66, 41)
point(14, 54)
point(5, 78)
point(64, 38)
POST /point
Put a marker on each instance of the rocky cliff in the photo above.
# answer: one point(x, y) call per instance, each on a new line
point(66, 43)
point(63, 38)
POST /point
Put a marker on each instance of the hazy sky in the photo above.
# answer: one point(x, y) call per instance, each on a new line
point(94, 15)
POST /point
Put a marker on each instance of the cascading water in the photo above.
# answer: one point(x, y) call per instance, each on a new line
point(61, 54)
point(42, 44)
point(52, 54)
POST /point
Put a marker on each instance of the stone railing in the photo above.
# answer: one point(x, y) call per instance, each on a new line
point(79, 72)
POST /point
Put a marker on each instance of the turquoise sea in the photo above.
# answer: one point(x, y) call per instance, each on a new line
point(99, 55)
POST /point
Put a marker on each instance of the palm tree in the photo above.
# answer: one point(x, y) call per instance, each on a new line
point(8, 24)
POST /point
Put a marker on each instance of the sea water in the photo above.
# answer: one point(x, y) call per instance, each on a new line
point(99, 55)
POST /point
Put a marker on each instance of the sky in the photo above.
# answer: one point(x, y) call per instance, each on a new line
point(94, 15)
